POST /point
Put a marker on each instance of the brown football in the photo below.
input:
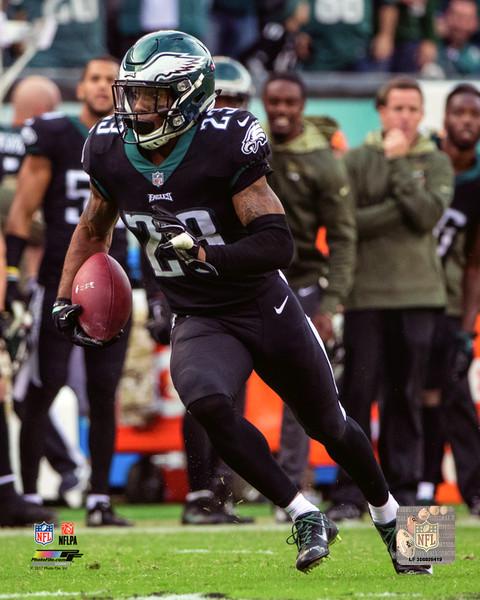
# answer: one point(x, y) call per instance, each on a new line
point(103, 290)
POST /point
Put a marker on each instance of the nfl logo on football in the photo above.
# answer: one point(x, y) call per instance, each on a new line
point(43, 533)
point(157, 179)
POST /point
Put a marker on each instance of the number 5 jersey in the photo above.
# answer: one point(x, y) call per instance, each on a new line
point(60, 139)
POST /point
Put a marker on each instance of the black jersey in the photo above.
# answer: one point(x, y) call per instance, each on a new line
point(218, 157)
point(12, 149)
point(463, 214)
point(456, 231)
point(61, 138)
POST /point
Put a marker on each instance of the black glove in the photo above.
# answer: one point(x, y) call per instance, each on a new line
point(65, 316)
point(178, 243)
point(159, 321)
point(462, 354)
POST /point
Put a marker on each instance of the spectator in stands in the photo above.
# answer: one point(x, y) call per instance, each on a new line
point(275, 49)
point(130, 19)
point(409, 41)
point(80, 33)
point(234, 27)
point(449, 411)
point(315, 191)
point(457, 55)
point(401, 184)
point(338, 37)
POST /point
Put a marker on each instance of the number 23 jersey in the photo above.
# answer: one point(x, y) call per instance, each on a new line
point(221, 155)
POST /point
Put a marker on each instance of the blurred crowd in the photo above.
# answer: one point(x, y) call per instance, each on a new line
point(434, 38)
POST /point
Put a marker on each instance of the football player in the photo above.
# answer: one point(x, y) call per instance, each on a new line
point(189, 181)
point(14, 510)
point(449, 412)
point(210, 499)
point(233, 83)
point(32, 97)
point(51, 178)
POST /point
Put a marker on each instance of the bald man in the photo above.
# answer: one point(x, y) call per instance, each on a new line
point(31, 97)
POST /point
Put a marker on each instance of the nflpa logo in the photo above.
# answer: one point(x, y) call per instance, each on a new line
point(68, 528)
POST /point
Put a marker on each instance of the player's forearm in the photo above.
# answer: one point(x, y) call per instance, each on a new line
point(269, 246)
point(82, 245)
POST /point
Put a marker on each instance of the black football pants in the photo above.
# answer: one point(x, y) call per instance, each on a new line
point(103, 370)
point(386, 353)
point(458, 423)
point(213, 356)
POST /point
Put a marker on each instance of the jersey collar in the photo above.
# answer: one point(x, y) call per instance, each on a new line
point(82, 128)
point(470, 175)
point(168, 166)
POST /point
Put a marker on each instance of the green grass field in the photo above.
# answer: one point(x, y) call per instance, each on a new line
point(158, 558)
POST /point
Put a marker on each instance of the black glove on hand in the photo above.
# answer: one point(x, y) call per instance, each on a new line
point(159, 319)
point(462, 354)
point(65, 316)
point(179, 243)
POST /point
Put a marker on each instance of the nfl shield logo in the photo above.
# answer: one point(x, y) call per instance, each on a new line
point(157, 179)
point(44, 533)
point(426, 536)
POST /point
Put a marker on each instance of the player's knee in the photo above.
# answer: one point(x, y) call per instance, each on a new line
point(213, 411)
point(330, 430)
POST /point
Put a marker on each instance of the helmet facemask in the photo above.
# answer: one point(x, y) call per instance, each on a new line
point(165, 104)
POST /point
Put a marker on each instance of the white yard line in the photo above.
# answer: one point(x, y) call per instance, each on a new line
point(468, 522)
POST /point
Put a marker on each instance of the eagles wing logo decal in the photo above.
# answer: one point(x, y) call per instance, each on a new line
point(177, 63)
point(254, 138)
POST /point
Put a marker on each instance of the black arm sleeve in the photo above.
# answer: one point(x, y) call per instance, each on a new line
point(268, 246)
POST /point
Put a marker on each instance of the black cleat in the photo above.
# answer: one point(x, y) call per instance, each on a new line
point(474, 506)
point(232, 517)
point(388, 534)
point(206, 510)
point(313, 533)
point(344, 512)
point(201, 511)
point(102, 515)
point(17, 512)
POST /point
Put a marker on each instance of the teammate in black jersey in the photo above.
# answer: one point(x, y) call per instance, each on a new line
point(31, 97)
point(14, 510)
point(51, 178)
point(449, 411)
point(189, 182)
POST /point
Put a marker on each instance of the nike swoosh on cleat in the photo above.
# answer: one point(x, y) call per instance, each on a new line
point(279, 309)
point(244, 122)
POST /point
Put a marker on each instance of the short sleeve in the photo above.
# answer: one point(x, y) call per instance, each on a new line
point(249, 151)
point(86, 155)
point(38, 138)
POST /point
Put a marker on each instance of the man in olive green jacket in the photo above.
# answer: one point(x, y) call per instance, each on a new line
point(313, 186)
point(402, 184)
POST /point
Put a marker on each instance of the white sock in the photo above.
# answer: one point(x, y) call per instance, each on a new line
point(93, 499)
point(425, 490)
point(386, 513)
point(299, 506)
point(33, 498)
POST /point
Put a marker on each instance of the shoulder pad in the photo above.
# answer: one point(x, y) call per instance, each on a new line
point(103, 134)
